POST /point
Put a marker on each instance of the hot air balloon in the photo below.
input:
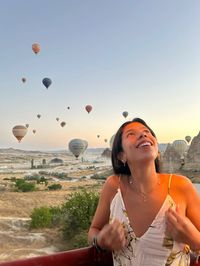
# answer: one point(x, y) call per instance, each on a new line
point(34, 131)
point(180, 146)
point(68, 107)
point(88, 108)
point(27, 125)
point(187, 138)
point(38, 116)
point(47, 82)
point(77, 146)
point(57, 118)
point(86, 144)
point(98, 136)
point(125, 114)
point(105, 140)
point(36, 48)
point(62, 124)
point(23, 80)
point(19, 132)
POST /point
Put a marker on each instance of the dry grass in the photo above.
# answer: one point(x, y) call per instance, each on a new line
point(20, 204)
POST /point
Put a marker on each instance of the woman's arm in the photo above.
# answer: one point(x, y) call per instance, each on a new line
point(182, 229)
point(186, 229)
point(193, 214)
point(107, 236)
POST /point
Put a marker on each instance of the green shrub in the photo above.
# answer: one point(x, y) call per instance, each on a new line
point(78, 212)
point(19, 181)
point(24, 186)
point(80, 240)
point(55, 187)
point(46, 217)
point(73, 217)
point(41, 217)
point(42, 180)
point(56, 216)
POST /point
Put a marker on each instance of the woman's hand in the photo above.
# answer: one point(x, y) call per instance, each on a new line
point(112, 236)
point(181, 228)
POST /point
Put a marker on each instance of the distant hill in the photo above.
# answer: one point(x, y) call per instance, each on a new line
point(64, 151)
point(162, 147)
point(18, 151)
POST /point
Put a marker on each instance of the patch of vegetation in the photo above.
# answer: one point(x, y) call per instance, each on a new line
point(55, 187)
point(6, 178)
point(13, 178)
point(38, 178)
point(44, 217)
point(55, 174)
point(78, 213)
point(23, 186)
point(97, 176)
point(73, 217)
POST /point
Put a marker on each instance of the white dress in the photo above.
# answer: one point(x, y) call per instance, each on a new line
point(153, 248)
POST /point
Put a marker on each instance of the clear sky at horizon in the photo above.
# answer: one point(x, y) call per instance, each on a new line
point(137, 56)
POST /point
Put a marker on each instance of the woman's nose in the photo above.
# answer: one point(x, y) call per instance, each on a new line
point(142, 134)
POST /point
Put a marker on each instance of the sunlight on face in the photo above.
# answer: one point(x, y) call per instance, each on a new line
point(138, 142)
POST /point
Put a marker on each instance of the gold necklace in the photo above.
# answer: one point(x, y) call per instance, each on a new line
point(144, 195)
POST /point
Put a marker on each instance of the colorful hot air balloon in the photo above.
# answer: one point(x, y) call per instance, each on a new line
point(46, 82)
point(62, 124)
point(77, 146)
point(125, 114)
point(23, 80)
point(38, 116)
point(19, 132)
point(36, 48)
point(187, 138)
point(88, 108)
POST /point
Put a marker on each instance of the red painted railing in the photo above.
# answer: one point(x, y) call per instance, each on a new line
point(87, 256)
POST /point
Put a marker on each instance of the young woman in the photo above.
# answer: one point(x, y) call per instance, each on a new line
point(145, 217)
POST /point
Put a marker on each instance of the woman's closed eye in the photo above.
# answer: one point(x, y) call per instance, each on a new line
point(147, 131)
point(130, 134)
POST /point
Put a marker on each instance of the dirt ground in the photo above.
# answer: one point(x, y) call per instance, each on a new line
point(17, 241)
point(21, 204)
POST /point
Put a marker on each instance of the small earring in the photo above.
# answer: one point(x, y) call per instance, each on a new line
point(124, 163)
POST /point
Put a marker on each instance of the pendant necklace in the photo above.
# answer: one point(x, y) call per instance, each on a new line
point(143, 195)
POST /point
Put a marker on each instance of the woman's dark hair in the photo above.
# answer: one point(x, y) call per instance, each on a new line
point(118, 165)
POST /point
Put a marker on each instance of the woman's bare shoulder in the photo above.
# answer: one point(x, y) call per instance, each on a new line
point(110, 187)
point(177, 182)
point(112, 182)
point(183, 184)
point(181, 180)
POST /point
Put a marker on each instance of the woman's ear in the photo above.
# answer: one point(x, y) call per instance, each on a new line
point(122, 157)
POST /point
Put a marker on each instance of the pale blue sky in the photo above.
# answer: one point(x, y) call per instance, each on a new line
point(137, 56)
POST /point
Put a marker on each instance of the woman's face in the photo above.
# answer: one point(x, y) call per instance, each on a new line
point(138, 143)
